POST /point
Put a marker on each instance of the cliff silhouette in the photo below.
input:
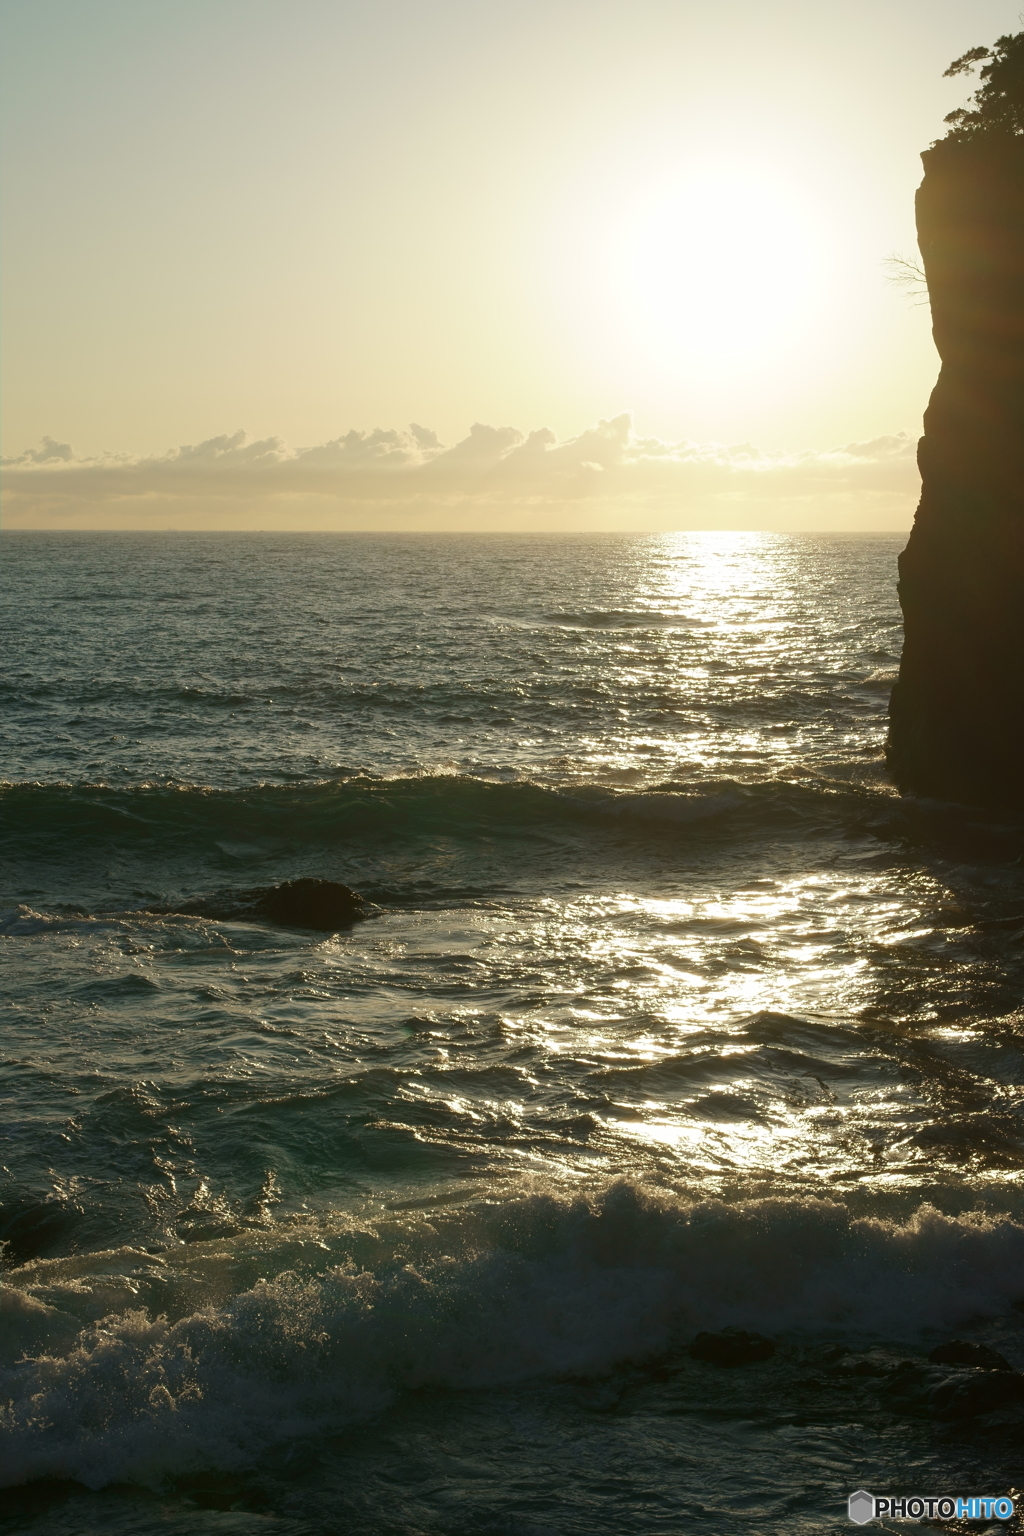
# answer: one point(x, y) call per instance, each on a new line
point(957, 710)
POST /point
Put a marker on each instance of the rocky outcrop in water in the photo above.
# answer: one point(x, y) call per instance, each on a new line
point(731, 1346)
point(957, 710)
point(324, 905)
point(311, 903)
point(969, 1352)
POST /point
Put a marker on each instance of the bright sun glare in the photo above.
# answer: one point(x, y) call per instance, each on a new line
point(723, 268)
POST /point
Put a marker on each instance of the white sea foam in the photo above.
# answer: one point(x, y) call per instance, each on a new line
point(24, 921)
point(205, 1356)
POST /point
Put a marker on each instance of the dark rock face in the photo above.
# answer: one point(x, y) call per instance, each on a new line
point(731, 1347)
point(957, 710)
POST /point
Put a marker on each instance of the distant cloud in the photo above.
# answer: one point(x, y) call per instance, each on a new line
point(608, 476)
point(50, 452)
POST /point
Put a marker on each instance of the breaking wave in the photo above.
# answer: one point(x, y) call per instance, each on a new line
point(137, 1366)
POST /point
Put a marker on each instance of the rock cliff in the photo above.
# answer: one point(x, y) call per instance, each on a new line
point(957, 710)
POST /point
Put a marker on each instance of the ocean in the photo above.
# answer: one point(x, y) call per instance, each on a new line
point(670, 1017)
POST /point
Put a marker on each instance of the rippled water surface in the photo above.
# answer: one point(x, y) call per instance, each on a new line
point(671, 1016)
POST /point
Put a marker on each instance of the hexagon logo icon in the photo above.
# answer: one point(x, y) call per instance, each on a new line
point(861, 1506)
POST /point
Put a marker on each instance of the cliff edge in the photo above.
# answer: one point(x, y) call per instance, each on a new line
point(957, 709)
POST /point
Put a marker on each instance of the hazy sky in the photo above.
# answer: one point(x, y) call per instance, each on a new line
point(307, 218)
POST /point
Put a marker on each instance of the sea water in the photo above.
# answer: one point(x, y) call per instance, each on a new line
point(671, 1016)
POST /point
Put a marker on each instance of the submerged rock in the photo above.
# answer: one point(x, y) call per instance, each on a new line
point(732, 1346)
point(957, 709)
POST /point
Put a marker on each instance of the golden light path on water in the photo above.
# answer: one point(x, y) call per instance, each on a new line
point(735, 1036)
point(718, 619)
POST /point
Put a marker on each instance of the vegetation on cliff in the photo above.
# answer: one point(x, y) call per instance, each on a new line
point(997, 106)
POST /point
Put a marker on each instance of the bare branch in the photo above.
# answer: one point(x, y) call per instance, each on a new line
point(908, 275)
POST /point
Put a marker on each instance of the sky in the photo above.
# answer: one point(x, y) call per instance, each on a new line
point(323, 264)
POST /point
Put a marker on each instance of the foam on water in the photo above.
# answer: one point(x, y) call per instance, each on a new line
point(130, 1366)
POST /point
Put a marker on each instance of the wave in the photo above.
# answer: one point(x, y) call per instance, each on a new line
point(35, 815)
point(313, 689)
point(438, 835)
point(137, 1366)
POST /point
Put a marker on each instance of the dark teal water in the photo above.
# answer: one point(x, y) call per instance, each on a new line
point(672, 1017)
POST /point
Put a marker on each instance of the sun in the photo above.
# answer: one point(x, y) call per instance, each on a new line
point(721, 270)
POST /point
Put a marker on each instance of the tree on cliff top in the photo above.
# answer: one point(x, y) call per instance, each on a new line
point(998, 103)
